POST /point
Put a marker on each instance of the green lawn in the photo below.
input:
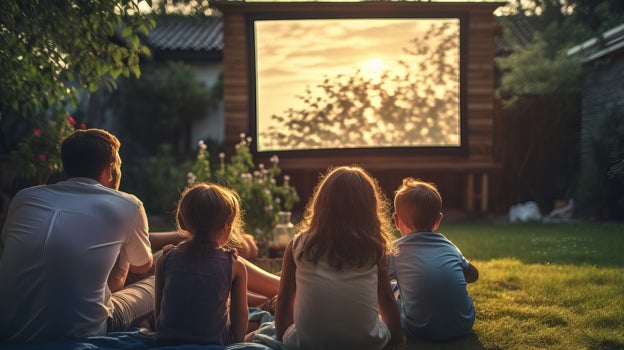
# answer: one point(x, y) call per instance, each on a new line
point(543, 286)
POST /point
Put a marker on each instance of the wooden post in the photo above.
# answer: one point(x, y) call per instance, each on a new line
point(484, 191)
point(469, 200)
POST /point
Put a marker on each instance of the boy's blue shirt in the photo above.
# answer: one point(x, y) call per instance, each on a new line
point(434, 301)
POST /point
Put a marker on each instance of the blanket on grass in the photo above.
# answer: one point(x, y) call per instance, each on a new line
point(140, 339)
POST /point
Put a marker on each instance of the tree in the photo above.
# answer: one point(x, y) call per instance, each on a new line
point(51, 52)
point(161, 106)
point(540, 89)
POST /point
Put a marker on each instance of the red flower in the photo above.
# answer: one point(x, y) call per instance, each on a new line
point(71, 120)
point(37, 132)
point(83, 126)
point(42, 157)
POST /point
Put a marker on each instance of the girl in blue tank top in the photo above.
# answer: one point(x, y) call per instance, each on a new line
point(195, 280)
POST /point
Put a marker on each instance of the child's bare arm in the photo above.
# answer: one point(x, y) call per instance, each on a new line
point(388, 308)
point(471, 273)
point(286, 295)
point(159, 284)
point(238, 301)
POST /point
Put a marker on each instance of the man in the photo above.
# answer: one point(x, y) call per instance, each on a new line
point(68, 249)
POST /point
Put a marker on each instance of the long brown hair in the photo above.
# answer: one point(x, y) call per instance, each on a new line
point(346, 220)
point(204, 209)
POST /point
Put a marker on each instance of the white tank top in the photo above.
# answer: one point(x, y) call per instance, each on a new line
point(335, 309)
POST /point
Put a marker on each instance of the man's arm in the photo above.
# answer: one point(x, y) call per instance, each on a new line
point(145, 268)
point(158, 240)
point(117, 276)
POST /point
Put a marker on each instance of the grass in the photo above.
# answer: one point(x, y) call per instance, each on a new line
point(542, 286)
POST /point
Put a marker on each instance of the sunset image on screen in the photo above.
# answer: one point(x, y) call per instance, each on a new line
point(357, 83)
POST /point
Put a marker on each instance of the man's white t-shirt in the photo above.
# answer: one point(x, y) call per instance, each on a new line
point(60, 244)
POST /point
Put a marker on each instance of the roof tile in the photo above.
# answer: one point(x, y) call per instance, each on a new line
point(188, 34)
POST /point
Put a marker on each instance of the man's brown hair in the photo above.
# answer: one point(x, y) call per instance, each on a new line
point(85, 153)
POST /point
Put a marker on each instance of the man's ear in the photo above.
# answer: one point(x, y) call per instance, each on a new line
point(437, 222)
point(106, 176)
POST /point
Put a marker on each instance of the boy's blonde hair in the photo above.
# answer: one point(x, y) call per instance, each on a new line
point(204, 209)
point(346, 220)
point(418, 204)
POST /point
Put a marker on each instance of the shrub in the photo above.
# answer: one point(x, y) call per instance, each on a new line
point(262, 197)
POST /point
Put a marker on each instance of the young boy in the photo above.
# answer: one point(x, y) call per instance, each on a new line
point(430, 272)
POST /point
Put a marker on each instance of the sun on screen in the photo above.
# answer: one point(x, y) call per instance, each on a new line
point(373, 68)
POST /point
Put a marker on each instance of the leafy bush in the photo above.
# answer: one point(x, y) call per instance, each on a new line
point(162, 105)
point(39, 155)
point(156, 180)
point(262, 197)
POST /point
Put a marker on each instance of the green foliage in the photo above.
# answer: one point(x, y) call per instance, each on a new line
point(600, 191)
point(53, 51)
point(262, 197)
point(157, 180)
point(39, 154)
point(182, 8)
point(161, 106)
point(530, 70)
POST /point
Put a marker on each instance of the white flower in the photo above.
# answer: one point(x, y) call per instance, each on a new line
point(242, 135)
point(278, 200)
point(261, 166)
point(248, 139)
point(202, 144)
point(191, 178)
point(221, 155)
point(274, 159)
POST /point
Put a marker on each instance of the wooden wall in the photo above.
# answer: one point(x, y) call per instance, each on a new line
point(462, 179)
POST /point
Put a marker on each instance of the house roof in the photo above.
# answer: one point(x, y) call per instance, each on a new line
point(187, 38)
point(610, 42)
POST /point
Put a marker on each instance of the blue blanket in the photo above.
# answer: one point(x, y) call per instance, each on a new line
point(138, 339)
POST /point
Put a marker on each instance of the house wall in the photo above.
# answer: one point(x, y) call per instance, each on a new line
point(603, 89)
point(213, 125)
